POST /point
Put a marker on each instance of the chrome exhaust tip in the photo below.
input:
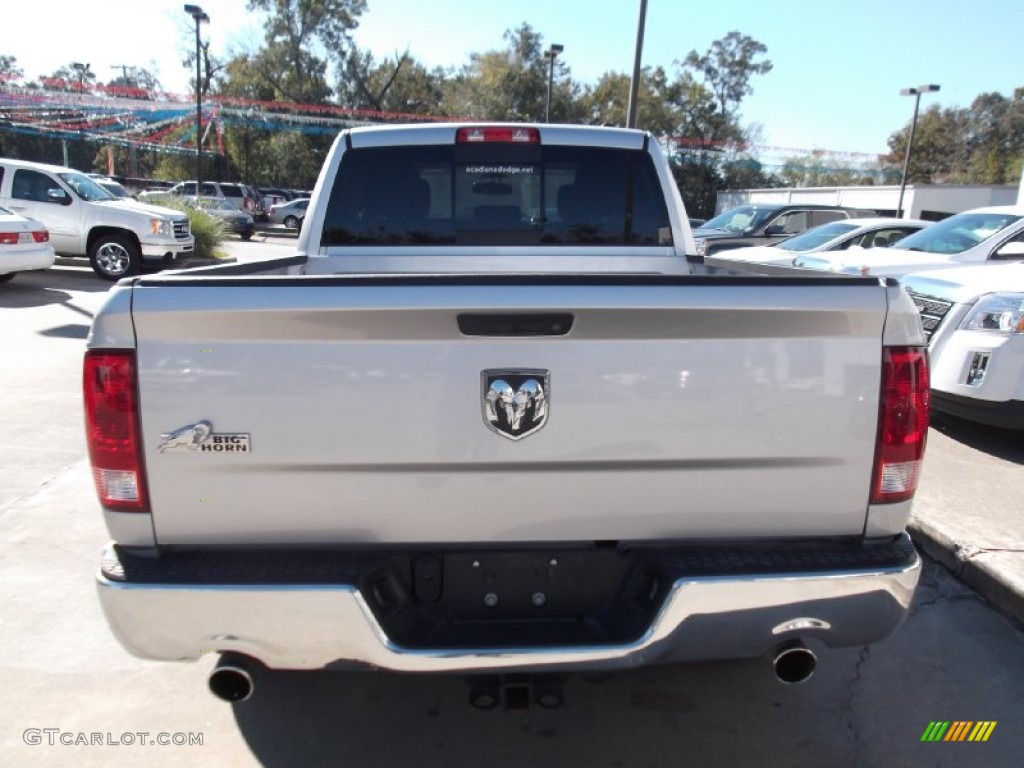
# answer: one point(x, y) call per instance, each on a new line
point(793, 663)
point(232, 679)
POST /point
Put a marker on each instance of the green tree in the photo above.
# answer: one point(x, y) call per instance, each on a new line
point(941, 151)
point(512, 84)
point(401, 85)
point(134, 83)
point(727, 68)
point(707, 94)
point(300, 36)
point(607, 103)
point(71, 78)
point(9, 69)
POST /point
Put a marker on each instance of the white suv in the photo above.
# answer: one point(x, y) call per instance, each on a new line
point(974, 320)
point(84, 219)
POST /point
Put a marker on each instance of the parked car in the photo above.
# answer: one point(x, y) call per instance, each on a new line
point(290, 214)
point(244, 198)
point(113, 187)
point(972, 237)
point(24, 245)
point(974, 320)
point(765, 223)
point(834, 236)
point(234, 221)
point(274, 196)
point(212, 190)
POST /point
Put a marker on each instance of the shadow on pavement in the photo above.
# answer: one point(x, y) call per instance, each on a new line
point(72, 331)
point(389, 719)
point(50, 286)
point(1004, 444)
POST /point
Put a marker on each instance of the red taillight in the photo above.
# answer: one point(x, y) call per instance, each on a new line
point(112, 429)
point(13, 238)
point(903, 424)
point(507, 134)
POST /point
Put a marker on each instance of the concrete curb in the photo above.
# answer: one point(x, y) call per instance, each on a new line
point(996, 584)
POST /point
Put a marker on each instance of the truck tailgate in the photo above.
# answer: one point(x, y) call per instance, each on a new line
point(353, 410)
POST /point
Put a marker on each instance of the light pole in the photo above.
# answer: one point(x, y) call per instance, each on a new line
point(197, 13)
point(551, 54)
point(634, 84)
point(916, 93)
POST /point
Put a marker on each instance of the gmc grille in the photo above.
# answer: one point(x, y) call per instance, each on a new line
point(181, 229)
point(932, 311)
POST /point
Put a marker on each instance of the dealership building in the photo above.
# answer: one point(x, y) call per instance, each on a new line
point(925, 201)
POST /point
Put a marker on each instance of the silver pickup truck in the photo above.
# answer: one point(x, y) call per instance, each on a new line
point(492, 418)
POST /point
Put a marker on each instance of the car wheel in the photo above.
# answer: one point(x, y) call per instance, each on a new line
point(113, 257)
point(7, 277)
point(291, 222)
point(246, 235)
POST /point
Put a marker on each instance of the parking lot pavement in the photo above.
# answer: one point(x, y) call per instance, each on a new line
point(972, 521)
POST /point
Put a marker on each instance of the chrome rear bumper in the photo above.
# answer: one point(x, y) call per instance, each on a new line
point(330, 625)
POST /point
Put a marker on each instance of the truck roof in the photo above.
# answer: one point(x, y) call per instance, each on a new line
point(445, 133)
point(39, 166)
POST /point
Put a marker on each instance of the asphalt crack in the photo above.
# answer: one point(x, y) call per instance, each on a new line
point(848, 705)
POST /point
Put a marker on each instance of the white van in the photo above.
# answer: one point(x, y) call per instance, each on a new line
point(117, 235)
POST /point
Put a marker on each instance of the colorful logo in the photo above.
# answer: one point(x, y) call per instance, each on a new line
point(958, 730)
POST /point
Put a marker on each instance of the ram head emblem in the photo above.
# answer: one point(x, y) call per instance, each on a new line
point(516, 402)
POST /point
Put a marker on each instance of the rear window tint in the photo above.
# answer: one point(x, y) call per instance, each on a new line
point(496, 194)
point(230, 191)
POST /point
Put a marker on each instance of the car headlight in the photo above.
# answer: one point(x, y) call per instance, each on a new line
point(702, 246)
point(161, 227)
point(1000, 312)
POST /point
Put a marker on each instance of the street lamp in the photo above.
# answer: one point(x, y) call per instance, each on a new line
point(197, 13)
point(81, 69)
point(916, 93)
point(551, 54)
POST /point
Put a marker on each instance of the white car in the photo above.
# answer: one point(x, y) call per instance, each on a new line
point(24, 245)
point(973, 237)
point(290, 214)
point(833, 236)
point(974, 320)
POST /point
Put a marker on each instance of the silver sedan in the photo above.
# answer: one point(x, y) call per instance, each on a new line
point(290, 214)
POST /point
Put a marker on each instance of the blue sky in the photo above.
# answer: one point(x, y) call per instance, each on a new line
point(838, 68)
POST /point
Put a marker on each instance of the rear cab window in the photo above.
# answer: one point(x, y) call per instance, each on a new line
point(496, 194)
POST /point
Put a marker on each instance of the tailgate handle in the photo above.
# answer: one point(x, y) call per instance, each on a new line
point(517, 324)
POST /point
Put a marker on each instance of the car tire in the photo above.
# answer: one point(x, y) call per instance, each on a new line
point(113, 257)
point(291, 222)
point(246, 235)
